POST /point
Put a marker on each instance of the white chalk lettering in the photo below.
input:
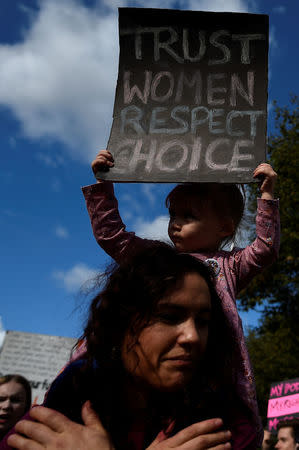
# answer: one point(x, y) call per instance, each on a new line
point(213, 89)
point(152, 155)
point(156, 81)
point(156, 121)
point(181, 119)
point(184, 81)
point(195, 155)
point(212, 147)
point(253, 115)
point(214, 123)
point(237, 156)
point(195, 120)
point(124, 151)
point(236, 86)
point(164, 85)
point(184, 123)
point(245, 40)
point(138, 156)
point(171, 146)
point(130, 92)
point(202, 46)
point(131, 116)
point(215, 40)
point(166, 45)
point(225, 50)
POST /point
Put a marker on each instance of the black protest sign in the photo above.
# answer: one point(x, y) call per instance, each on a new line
point(191, 96)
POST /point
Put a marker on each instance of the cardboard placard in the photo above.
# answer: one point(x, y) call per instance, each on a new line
point(191, 96)
point(283, 403)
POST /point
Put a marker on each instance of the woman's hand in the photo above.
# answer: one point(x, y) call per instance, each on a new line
point(102, 163)
point(268, 179)
point(52, 430)
point(199, 436)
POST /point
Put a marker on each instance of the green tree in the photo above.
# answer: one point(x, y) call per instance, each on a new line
point(274, 344)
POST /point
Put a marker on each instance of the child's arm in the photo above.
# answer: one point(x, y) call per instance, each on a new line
point(108, 228)
point(268, 178)
point(263, 251)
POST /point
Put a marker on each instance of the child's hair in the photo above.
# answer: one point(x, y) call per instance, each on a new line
point(226, 200)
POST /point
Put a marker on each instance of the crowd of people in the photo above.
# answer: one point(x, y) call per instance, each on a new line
point(164, 363)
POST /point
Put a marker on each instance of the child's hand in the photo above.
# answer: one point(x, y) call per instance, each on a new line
point(102, 163)
point(268, 179)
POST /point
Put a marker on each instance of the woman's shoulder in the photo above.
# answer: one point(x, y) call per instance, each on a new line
point(70, 389)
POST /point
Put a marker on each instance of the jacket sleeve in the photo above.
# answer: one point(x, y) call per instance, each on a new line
point(108, 228)
point(254, 258)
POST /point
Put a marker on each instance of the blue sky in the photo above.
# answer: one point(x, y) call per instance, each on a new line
point(58, 69)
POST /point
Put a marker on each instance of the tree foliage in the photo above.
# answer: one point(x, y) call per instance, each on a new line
point(274, 345)
point(276, 288)
point(274, 356)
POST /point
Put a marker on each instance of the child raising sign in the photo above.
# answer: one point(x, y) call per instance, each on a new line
point(203, 218)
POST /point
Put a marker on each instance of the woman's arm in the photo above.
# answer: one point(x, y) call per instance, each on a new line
point(199, 436)
point(51, 430)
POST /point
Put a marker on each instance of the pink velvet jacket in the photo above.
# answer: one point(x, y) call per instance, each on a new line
point(233, 269)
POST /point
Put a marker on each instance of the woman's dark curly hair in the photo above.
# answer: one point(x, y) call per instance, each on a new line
point(127, 303)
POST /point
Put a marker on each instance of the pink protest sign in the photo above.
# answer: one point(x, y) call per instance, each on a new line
point(283, 405)
point(283, 402)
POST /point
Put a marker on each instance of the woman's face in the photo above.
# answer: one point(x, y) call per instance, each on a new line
point(12, 404)
point(168, 350)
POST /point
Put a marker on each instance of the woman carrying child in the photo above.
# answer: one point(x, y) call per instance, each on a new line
point(157, 372)
point(203, 217)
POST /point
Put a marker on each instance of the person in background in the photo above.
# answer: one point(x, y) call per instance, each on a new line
point(268, 441)
point(288, 435)
point(266, 445)
point(15, 401)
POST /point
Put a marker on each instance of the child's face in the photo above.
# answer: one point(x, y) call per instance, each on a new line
point(192, 229)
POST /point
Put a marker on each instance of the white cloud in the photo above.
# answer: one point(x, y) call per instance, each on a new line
point(147, 189)
point(281, 9)
point(55, 185)
point(157, 229)
point(49, 159)
point(272, 38)
point(134, 203)
point(62, 232)
point(219, 5)
point(75, 277)
point(2, 333)
point(60, 80)
point(9, 213)
point(12, 142)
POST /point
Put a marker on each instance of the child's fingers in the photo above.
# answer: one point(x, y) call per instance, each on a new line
point(103, 161)
point(264, 170)
point(105, 153)
point(266, 177)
